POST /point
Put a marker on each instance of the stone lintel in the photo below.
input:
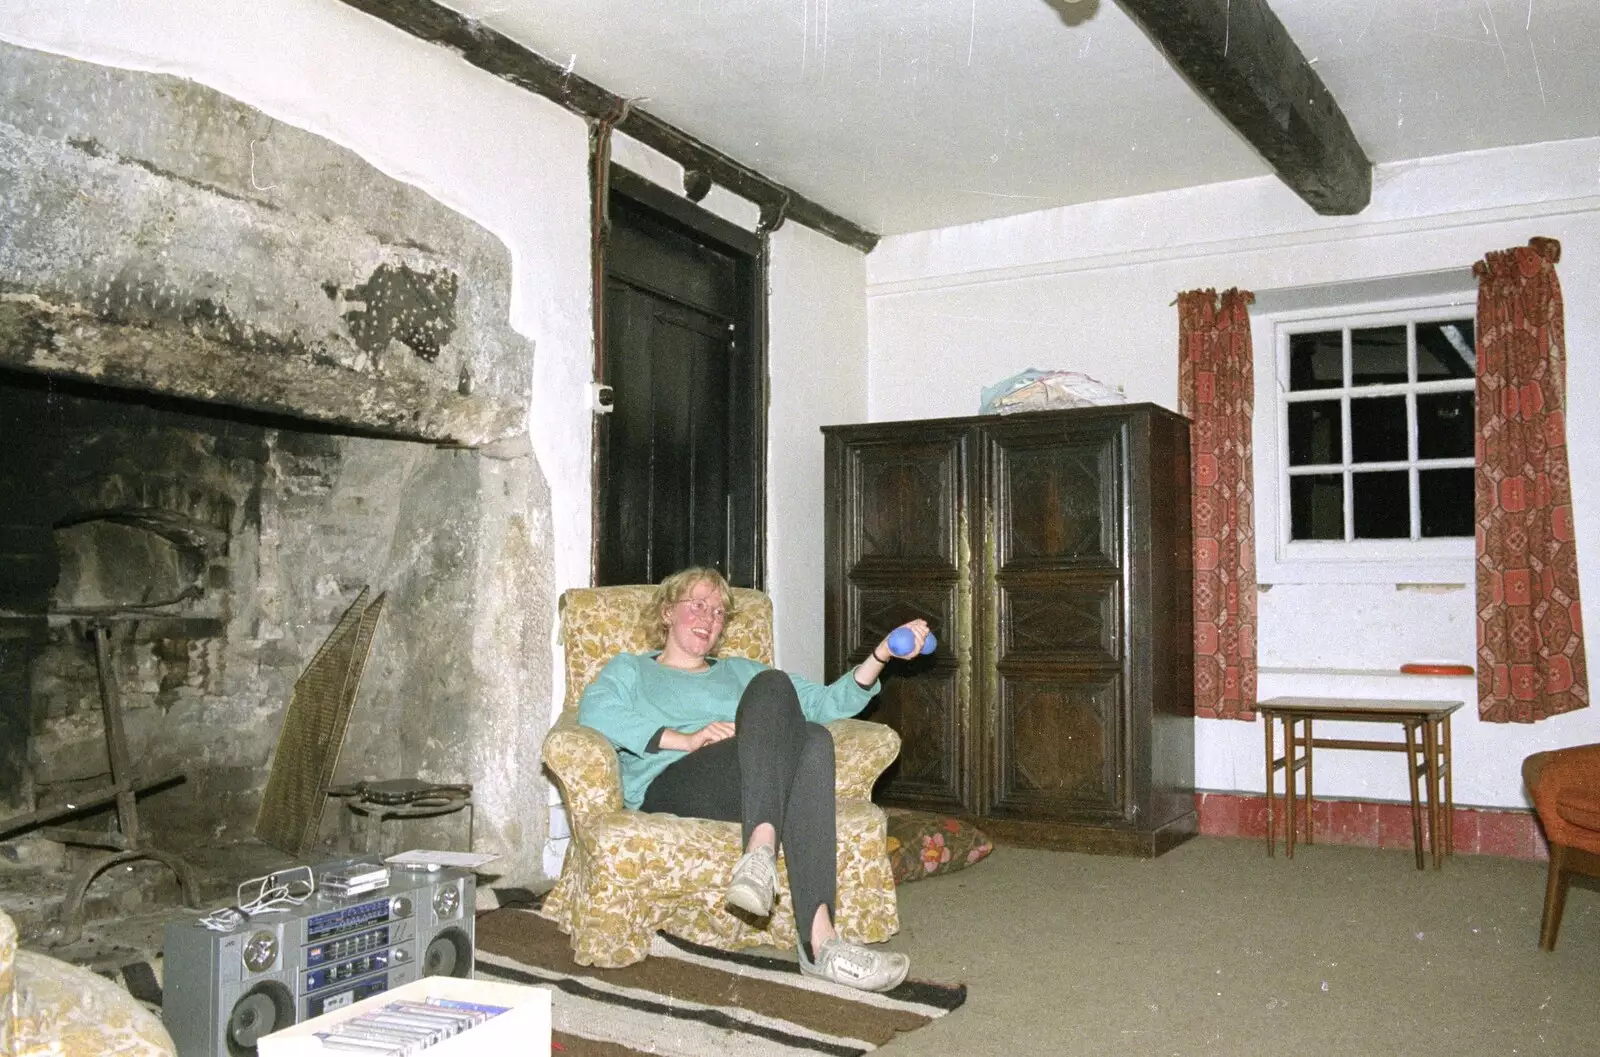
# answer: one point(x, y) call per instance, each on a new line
point(71, 341)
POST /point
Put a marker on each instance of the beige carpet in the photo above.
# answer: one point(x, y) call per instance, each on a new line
point(1214, 950)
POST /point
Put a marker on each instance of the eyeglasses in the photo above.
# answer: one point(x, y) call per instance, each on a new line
point(701, 608)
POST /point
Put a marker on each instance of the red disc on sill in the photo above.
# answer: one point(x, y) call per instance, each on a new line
point(1437, 669)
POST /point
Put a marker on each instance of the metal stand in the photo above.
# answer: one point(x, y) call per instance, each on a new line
point(399, 799)
point(125, 845)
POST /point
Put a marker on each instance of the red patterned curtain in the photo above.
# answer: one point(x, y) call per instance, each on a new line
point(1216, 389)
point(1530, 632)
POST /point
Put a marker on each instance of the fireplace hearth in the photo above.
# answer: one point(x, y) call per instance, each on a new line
point(231, 399)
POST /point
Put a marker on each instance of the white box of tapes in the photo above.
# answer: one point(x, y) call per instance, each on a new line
point(523, 1026)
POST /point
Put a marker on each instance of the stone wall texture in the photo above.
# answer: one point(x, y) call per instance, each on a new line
point(154, 224)
point(311, 361)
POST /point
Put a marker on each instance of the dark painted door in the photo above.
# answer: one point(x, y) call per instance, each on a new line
point(680, 459)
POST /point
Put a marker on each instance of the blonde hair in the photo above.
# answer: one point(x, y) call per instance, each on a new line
point(672, 591)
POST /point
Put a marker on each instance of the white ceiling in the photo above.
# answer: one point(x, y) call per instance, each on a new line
point(903, 115)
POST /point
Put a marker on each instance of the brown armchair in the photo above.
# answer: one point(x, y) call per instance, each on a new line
point(1565, 784)
point(628, 874)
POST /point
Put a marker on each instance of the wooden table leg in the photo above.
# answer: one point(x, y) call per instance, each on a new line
point(1272, 836)
point(1311, 811)
point(1289, 818)
point(1430, 734)
point(1449, 793)
point(1412, 775)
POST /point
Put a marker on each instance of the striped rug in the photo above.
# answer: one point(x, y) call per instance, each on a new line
point(686, 1000)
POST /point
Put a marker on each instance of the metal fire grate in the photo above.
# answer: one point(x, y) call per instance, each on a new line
point(313, 731)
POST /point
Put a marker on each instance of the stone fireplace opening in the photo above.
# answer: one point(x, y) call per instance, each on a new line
point(232, 397)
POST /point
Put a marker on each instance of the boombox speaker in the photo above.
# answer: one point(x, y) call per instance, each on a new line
point(222, 991)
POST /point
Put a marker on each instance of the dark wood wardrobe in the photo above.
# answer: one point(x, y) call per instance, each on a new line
point(1051, 553)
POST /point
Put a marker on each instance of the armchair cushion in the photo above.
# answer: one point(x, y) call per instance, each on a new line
point(1565, 784)
point(49, 1006)
point(629, 874)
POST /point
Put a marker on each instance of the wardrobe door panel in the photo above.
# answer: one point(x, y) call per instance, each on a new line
point(921, 698)
point(903, 496)
point(875, 609)
point(925, 710)
point(1058, 748)
point(897, 543)
point(1077, 621)
point(1057, 496)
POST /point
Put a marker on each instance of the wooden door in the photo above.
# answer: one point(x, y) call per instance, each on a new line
point(898, 542)
point(1053, 606)
point(680, 460)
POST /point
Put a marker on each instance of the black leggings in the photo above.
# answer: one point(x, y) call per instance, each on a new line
point(777, 768)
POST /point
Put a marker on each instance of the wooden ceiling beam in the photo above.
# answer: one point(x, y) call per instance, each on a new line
point(1240, 58)
point(500, 55)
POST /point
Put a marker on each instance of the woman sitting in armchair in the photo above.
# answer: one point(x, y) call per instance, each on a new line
point(733, 740)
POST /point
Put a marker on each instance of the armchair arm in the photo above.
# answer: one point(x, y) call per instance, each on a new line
point(861, 752)
point(586, 767)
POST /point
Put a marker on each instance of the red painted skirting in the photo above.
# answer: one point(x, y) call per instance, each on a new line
point(1376, 824)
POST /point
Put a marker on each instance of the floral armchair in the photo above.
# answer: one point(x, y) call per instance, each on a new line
point(628, 874)
point(55, 1009)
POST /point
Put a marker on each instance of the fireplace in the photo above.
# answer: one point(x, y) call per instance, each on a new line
point(231, 399)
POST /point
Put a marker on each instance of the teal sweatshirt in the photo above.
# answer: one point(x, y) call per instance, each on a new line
point(633, 697)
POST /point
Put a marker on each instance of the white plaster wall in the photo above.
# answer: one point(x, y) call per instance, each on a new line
point(1091, 288)
point(518, 165)
point(817, 340)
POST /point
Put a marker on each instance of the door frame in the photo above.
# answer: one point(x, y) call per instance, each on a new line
point(727, 237)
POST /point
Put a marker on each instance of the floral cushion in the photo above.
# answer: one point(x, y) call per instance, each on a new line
point(923, 844)
point(50, 1007)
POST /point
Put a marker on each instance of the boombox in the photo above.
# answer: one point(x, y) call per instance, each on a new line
point(222, 991)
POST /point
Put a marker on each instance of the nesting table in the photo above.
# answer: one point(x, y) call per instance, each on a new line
point(1426, 727)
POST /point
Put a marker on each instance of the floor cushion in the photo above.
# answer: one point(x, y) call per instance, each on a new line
point(922, 844)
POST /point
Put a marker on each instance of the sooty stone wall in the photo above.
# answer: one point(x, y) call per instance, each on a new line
point(165, 240)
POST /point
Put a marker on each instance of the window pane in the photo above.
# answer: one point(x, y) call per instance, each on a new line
point(1445, 425)
point(1378, 356)
point(1315, 433)
point(1316, 361)
point(1446, 501)
point(1446, 350)
point(1382, 505)
point(1378, 429)
point(1316, 507)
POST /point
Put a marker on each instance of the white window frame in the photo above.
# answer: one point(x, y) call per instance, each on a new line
point(1279, 559)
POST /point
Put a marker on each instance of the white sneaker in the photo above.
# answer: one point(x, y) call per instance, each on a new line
point(853, 965)
point(755, 881)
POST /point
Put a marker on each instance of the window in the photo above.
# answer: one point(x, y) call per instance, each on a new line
point(1380, 425)
point(1365, 441)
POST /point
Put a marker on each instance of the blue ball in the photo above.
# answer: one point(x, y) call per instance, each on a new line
point(901, 640)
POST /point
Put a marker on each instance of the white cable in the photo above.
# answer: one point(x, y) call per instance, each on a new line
point(271, 894)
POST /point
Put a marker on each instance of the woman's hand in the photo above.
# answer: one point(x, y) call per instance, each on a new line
point(919, 632)
point(867, 671)
point(678, 741)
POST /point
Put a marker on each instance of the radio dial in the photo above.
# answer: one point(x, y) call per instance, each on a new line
point(400, 954)
point(260, 952)
point(400, 907)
